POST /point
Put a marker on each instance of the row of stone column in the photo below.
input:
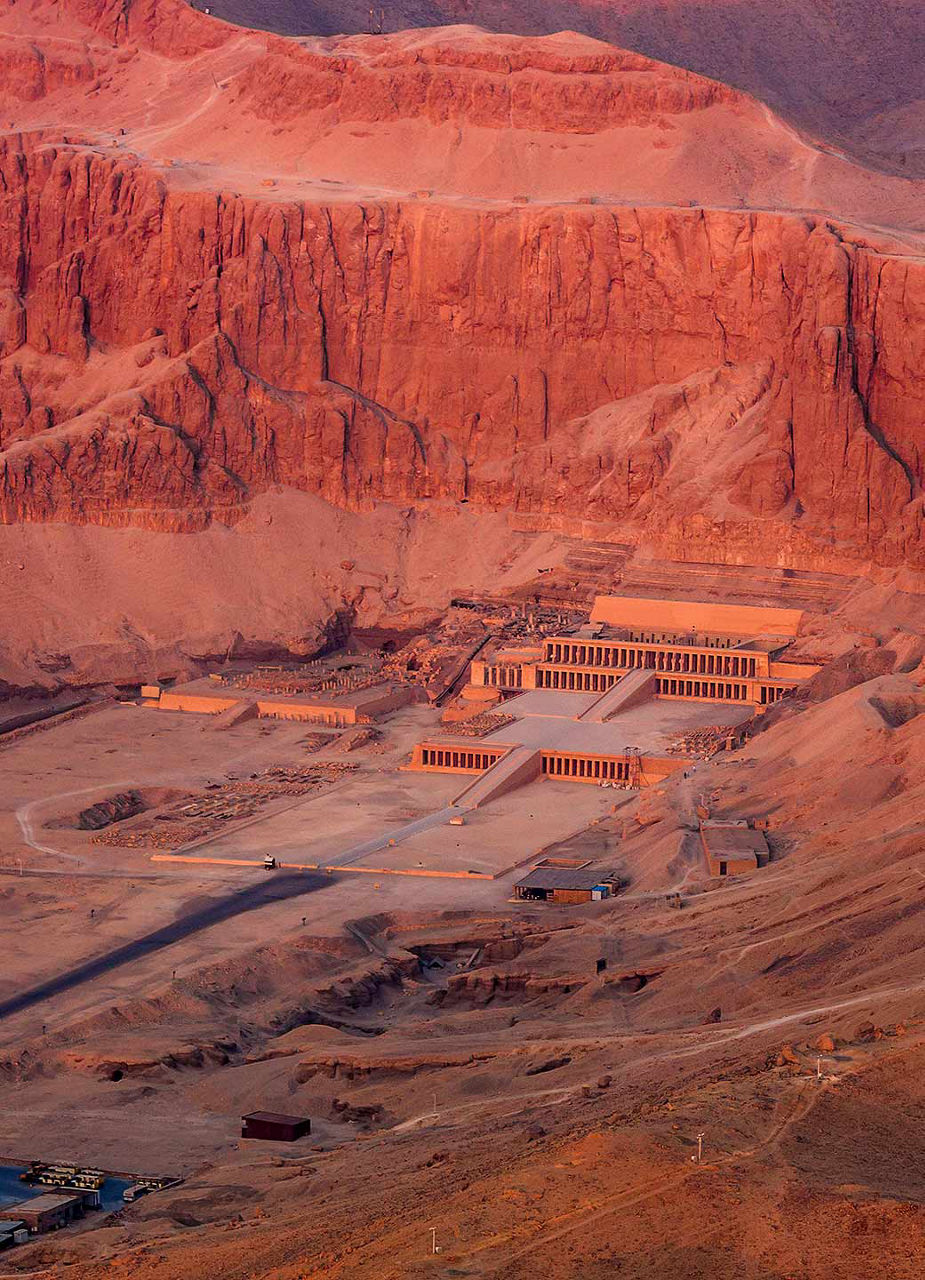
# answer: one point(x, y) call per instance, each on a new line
point(581, 655)
point(575, 681)
point(504, 676)
point(773, 693)
point(717, 690)
point(582, 767)
point(707, 664)
point(457, 758)
point(623, 657)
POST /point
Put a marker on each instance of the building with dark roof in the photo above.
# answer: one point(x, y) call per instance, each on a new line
point(566, 885)
point(48, 1212)
point(271, 1126)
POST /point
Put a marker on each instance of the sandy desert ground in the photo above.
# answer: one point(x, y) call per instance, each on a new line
point(780, 1013)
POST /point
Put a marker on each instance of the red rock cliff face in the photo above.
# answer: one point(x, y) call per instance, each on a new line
point(171, 27)
point(725, 384)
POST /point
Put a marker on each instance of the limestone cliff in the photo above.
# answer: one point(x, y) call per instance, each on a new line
point(726, 383)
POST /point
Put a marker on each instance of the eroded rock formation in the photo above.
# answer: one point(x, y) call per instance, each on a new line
point(733, 384)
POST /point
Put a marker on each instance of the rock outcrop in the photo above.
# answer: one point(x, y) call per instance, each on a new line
point(805, 60)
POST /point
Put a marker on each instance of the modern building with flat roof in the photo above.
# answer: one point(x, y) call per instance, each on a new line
point(566, 886)
point(48, 1212)
point(732, 848)
point(272, 1126)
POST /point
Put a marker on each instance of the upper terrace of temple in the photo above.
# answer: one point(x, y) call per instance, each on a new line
point(685, 616)
point(716, 652)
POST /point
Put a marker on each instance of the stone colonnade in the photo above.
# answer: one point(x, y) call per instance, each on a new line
point(592, 768)
point(504, 675)
point(618, 656)
point(576, 681)
point(474, 760)
point(715, 691)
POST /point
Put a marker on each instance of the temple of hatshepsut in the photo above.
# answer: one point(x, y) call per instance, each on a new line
point(629, 697)
point(721, 653)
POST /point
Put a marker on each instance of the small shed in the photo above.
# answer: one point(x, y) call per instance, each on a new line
point(565, 885)
point(8, 1228)
point(271, 1126)
point(732, 848)
point(48, 1212)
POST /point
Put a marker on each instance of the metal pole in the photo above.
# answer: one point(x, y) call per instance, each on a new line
point(699, 1147)
point(433, 1239)
point(435, 1104)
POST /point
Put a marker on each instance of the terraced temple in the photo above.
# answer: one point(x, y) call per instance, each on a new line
point(592, 701)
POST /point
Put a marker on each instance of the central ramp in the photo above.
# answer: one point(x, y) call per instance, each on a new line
point(638, 686)
point(518, 767)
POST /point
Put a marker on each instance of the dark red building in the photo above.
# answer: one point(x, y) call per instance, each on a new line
point(273, 1127)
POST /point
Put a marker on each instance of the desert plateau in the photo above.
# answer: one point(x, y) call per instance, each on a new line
point(462, 659)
